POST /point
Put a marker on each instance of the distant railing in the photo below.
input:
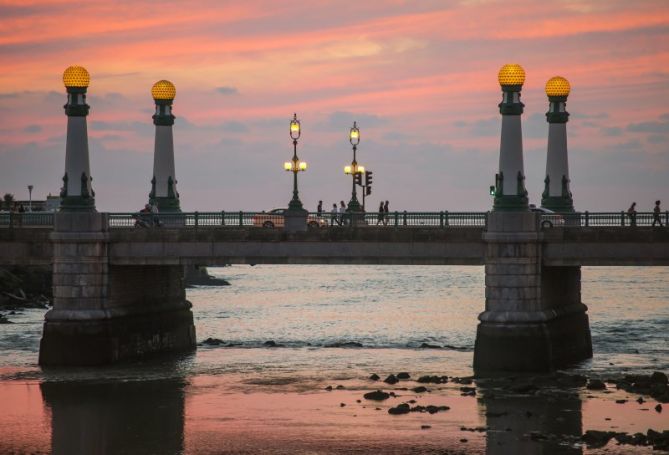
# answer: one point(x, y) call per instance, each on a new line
point(314, 220)
point(602, 219)
point(183, 219)
point(398, 219)
point(25, 219)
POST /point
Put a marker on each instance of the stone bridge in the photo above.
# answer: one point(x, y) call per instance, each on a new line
point(119, 293)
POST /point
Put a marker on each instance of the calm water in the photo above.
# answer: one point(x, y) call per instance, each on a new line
point(390, 310)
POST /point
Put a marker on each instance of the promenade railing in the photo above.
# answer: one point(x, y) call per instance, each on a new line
point(602, 219)
point(25, 219)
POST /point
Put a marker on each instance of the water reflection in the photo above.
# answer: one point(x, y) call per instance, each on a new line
point(531, 423)
point(117, 417)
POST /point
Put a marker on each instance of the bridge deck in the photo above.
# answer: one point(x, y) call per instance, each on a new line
point(594, 246)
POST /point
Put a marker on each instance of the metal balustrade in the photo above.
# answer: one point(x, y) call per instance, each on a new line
point(397, 219)
point(601, 219)
point(25, 219)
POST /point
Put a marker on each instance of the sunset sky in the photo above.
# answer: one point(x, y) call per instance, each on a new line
point(419, 77)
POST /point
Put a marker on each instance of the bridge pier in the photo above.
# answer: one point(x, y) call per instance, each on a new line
point(534, 319)
point(104, 313)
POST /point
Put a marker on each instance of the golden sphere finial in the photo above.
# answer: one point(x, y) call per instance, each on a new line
point(511, 74)
point(558, 86)
point(76, 76)
point(163, 90)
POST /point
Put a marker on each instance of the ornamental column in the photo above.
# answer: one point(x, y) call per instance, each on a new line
point(164, 183)
point(77, 193)
point(557, 195)
point(510, 193)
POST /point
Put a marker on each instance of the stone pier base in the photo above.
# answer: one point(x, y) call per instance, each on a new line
point(104, 313)
point(106, 341)
point(534, 319)
point(532, 347)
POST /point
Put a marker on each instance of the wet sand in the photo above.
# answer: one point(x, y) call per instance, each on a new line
point(296, 414)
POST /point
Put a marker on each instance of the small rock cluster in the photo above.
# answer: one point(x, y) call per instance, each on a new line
point(596, 439)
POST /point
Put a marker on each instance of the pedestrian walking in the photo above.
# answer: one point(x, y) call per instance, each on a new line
point(319, 209)
point(22, 210)
point(656, 214)
point(631, 213)
point(379, 218)
point(342, 212)
point(386, 210)
point(333, 215)
point(154, 214)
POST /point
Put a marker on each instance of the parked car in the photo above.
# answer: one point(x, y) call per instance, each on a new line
point(275, 219)
point(549, 218)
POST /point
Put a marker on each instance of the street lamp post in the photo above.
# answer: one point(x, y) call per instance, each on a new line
point(296, 216)
point(30, 198)
point(355, 170)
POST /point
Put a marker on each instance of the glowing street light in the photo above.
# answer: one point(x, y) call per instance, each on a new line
point(164, 194)
point(295, 165)
point(354, 170)
point(557, 195)
point(77, 193)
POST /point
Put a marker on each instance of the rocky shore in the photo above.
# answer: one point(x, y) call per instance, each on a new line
point(23, 288)
point(517, 405)
point(199, 276)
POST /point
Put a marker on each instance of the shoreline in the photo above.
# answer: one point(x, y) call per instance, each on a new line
point(247, 413)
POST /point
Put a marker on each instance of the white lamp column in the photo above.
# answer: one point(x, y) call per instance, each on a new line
point(557, 194)
point(510, 193)
point(77, 193)
point(164, 192)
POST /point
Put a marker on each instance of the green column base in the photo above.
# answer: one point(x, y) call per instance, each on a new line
point(511, 203)
point(77, 204)
point(166, 204)
point(558, 204)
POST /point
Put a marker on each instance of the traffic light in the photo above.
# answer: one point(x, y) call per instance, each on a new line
point(368, 179)
point(368, 190)
point(357, 178)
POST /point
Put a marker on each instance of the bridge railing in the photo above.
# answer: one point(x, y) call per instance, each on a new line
point(183, 219)
point(442, 219)
point(396, 219)
point(601, 219)
point(25, 219)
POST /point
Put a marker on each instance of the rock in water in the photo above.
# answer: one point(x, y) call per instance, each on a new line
point(596, 439)
point(392, 379)
point(272, 344)
point(403, 375)
point(596, 384)
point(419, 389)
point(659, 378)
point(378, 395)
point(212, 342)
point(374, 377)
point(400, 409)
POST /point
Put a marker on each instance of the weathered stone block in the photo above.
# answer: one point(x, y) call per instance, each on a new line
point(513, 281)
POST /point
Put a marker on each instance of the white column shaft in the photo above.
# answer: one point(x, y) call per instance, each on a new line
point(76, 155)
point(557, 164)
point(163, 160)
point(511, 153)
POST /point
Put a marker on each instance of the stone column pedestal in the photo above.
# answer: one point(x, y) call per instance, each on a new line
point(104, 313)
point(534, 319)
point(295, 220)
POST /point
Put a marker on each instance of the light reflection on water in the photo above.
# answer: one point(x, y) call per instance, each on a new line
point(389, 310)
